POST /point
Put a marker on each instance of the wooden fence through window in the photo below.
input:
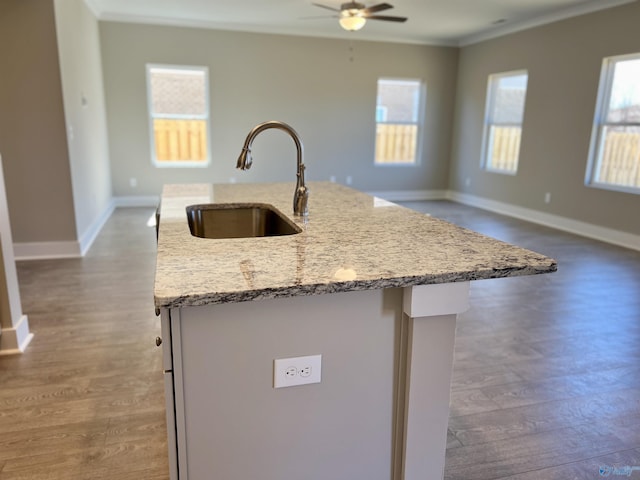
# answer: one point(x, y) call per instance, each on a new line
point(396, 143)
point(504, 143)
point(620, 163)
point(180, 140)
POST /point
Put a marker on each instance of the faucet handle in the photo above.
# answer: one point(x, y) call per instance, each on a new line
point(301, 200)
point(244, 160)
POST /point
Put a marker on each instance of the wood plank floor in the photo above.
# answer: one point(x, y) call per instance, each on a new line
point(546, 377)
point(86, 400)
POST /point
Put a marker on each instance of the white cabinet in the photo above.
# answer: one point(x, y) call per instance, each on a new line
point(231, 424)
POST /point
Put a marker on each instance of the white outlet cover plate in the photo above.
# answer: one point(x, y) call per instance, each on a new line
point(289, 372)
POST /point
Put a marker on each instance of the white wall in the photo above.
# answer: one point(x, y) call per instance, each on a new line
point(310, 83)
point(564, 61)
point(85, 114)
point(58, 192)
point(32, 136)
point(58, 187)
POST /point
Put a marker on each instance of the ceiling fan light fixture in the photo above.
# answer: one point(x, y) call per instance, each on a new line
point(351, 22)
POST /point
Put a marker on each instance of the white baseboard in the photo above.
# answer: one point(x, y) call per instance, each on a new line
point(15, 340)
point(137, 201)
point(76, 249)
point(589, 230)
point(70, 249)
point(46, 250)
point(90, 234)
point(410, 195)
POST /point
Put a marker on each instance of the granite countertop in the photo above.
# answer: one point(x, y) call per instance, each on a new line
point(350, 241)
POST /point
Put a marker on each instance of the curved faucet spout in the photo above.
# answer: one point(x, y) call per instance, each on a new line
point(301, 194)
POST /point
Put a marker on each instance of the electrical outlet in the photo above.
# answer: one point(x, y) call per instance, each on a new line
point(547, 197)
point(349, 180)
point(332, 179)
point(289, 372)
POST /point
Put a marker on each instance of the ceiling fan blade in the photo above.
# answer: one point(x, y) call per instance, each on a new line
point(376, 8)
point(385, 18)
point(326, 6)
point(316, 17)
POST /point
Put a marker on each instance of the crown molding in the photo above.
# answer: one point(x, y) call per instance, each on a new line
point(593, 6)
point(264, 29)
point(542, 20)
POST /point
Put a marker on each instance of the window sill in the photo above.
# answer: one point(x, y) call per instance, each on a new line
point(403, 165)
point(181, 164)
point(614, 188)
point(502, 172)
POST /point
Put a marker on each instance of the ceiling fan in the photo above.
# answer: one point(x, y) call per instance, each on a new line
point(353, 15)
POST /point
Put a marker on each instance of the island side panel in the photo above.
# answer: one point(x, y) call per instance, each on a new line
point(238, 426)
point(167, 368)
point(432, 312)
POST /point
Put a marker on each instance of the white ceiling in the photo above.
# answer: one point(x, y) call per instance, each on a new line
point(443, 22)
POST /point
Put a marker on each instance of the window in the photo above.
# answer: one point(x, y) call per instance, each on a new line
point(399, 114)
point(506, 94)
point(614, 157)
point(178, 115)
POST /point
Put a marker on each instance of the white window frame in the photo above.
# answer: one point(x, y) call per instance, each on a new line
point(421, 105)
point(600, 121)
point(152, 117)
point(487, 144)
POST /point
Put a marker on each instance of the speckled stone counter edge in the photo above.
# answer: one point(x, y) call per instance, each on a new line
point(346, 230)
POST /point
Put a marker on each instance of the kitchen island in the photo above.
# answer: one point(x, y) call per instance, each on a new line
point(371, 286)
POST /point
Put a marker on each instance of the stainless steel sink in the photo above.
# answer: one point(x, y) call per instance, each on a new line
point(219, 220)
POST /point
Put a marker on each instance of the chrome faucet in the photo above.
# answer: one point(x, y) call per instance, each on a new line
point(301, 195)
